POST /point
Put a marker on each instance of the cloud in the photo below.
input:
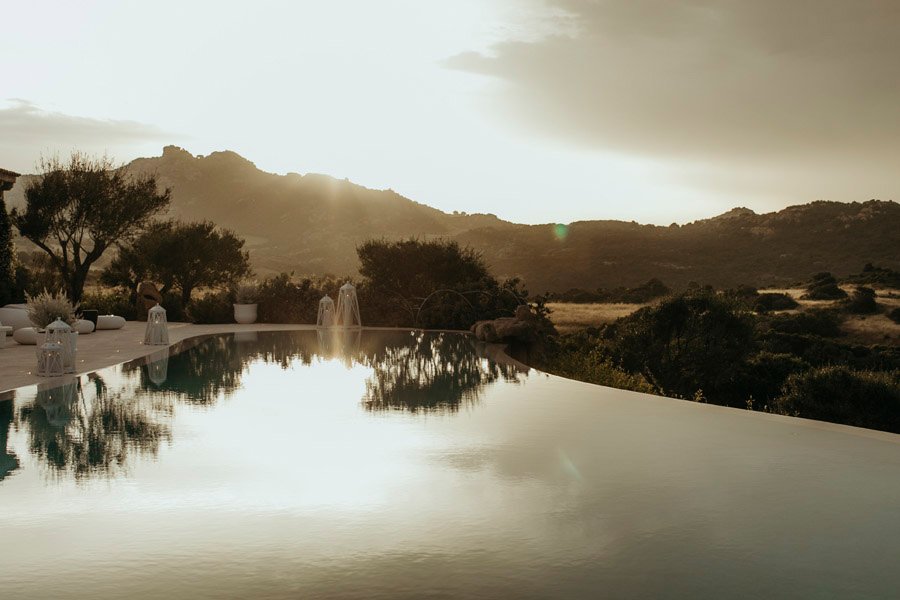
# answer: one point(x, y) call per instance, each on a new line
point(765, 84)
point(29, 131)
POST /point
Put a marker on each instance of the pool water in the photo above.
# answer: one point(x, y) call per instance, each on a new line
point(406, 465)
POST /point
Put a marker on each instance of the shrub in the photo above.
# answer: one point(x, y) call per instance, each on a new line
point(110, 303)
point(593, 367)
point(212, 308)
point(822, 322)
point(690, 342)
point(824, 287)
point(45, 308)
point(862, 302)
point(764, 375)
point(281, 300)
point(841, 395)
point(894, 315)
point(770, 301)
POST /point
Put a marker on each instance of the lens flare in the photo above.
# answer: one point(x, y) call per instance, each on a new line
point(560, 231)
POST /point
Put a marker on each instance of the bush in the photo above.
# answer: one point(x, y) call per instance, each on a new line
point(862, 302)
point(593, 367)
point(281, 300)
point(110, 303)
point(841, 395)
point(764, 375)
point(873, 275)
point(770, 301)
point(825, 323)
point(824, 287)
point(894, 315)
point(212, 308)
point(688, 343)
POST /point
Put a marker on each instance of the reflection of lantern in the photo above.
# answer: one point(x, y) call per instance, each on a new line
point(157, 333)
point(57, 401)
point(158, 366)
point(326, 312)
point(347, 314)
point(59, 331)
point(50, 360)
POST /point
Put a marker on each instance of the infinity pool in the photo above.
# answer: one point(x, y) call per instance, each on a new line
point(409, 465)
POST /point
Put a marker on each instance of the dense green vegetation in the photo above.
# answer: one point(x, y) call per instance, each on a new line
point(709, 346)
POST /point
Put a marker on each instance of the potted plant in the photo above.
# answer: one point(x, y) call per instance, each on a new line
point(245, 296)
point(44, 309)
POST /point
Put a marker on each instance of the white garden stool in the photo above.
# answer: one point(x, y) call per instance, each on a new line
point(157, 333)
point(50, 360)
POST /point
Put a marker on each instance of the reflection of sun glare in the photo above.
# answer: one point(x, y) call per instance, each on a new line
point(330, 456)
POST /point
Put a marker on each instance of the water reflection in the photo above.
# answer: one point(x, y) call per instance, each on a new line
point(96, 423)
point(429, 372)
point(9, 462)
point(90, 430)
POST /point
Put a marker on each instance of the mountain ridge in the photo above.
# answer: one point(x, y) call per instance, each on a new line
point(311, 224)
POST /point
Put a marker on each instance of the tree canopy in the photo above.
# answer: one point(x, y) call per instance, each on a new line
point(183, 256)
point(75, 211)
point(433, 283)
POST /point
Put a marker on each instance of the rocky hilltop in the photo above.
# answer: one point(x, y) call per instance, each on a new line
point(312, 223)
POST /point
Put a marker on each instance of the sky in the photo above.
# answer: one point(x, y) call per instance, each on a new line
point(535, 110)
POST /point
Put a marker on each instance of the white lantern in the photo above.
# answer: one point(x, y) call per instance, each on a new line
point(326, 312)
point(50, 359)
point(347, 314)
point(157, 333)
point(59, 331)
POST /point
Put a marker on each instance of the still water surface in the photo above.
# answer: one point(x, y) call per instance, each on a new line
point(402, 465)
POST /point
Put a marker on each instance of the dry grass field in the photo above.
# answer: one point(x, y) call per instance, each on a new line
point(861, 329)
point(569, 316)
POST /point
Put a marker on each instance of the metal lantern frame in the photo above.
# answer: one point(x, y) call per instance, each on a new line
point(62, 333)
point(157, 332)
point(325, 316)
point(347, 313)
point(50, 359)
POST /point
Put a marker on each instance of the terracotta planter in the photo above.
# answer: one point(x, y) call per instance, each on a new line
point(245, 313)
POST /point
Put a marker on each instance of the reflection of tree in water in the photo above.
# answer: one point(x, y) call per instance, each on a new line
point(84, 436)
point(9, 462)
point(433, 372)
point(215, 365)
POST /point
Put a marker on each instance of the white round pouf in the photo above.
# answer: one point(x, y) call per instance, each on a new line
point(15, 316)
point(84, 327)
point(110, 322)
point(27, 336)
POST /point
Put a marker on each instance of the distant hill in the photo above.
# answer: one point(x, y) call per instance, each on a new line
point(312, 223)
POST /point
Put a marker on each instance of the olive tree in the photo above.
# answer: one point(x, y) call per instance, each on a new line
point(75, 211)
point(182, 256)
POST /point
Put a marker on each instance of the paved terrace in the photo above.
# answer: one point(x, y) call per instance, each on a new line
point(104, 348)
